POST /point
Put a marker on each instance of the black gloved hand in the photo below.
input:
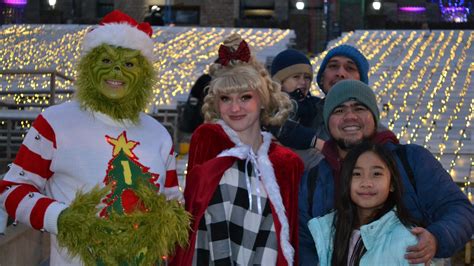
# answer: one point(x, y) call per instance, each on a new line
point(306, 111)
point(297, 95)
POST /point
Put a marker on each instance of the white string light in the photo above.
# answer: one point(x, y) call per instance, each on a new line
point(421, 79)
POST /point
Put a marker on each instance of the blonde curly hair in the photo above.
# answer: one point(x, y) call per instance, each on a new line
point(239, 76)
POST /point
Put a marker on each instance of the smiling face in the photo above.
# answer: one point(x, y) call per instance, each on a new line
point(370, 185)
point(116, 72)
point(339, 68)
point(115, 81)
point(350, 123)
point(241, 112)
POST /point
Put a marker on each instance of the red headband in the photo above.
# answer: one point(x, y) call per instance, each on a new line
point(226, 54)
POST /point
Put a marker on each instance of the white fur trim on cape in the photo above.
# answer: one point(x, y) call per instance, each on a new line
point(269, 181)
point(122, 35)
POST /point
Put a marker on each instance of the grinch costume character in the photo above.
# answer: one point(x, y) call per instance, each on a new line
point(241, 187)
point(96, 172)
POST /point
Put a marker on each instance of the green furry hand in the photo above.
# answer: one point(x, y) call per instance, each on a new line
point(138, 238)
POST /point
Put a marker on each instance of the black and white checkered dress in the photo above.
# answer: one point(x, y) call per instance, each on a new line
point(233, 233)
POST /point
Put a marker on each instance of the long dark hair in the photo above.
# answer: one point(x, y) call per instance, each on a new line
point(346, 218)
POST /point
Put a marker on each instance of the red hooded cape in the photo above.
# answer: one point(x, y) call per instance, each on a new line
point(205, 171)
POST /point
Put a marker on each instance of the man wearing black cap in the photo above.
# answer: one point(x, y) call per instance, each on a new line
point(292, 69)
point(351, 116)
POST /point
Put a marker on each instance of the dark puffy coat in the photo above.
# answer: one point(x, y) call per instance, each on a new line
point(435, 200)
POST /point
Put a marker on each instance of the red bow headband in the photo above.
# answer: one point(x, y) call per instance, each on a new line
point(226, 54)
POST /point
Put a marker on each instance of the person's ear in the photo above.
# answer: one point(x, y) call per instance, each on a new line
point(322, 85)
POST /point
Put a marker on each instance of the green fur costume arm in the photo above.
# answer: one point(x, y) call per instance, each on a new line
point(138, 238)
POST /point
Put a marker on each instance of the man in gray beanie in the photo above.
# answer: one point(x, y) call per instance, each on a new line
point(432, 198)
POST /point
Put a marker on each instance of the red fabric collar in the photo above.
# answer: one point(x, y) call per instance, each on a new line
point(207, 142)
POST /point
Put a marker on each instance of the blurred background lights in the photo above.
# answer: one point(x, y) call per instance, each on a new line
point(416, 9)
point(15, 2)
point(455, 10)
point(300, 5)
point(52, 3)
point(422, 79)
point(376, 5)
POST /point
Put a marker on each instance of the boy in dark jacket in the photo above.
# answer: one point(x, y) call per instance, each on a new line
point(191, 116)
point(305, 131)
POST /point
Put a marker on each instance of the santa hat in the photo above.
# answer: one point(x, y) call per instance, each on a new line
point(119, 29)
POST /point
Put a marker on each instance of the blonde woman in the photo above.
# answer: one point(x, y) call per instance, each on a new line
point(241, 186)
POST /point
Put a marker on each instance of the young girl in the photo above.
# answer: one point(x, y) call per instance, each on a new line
point(370, 224)
point(241, 187)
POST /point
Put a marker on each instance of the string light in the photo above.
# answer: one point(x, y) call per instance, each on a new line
point(182, 55)
point(422, 79)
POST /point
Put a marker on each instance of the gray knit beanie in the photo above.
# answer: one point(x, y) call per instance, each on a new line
point(346, 90)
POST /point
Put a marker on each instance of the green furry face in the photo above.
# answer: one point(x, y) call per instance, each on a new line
point(116, 72)
point(115, 81)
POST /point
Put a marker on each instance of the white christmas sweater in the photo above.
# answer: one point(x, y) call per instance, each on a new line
point(69, 149)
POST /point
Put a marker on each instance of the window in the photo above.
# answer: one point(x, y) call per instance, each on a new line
point(257, 9)
point(104, 7)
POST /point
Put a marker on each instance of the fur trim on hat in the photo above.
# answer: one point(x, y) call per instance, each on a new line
point(289, 71)
point(288, 63)
point(120, 35)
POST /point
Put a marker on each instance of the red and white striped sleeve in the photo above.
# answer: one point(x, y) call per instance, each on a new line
point(21, 189)
point(171, 183)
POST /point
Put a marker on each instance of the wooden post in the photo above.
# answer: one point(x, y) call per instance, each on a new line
point(53, 88)
point(467, 253)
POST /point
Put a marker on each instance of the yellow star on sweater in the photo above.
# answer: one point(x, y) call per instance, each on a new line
point(121, 143)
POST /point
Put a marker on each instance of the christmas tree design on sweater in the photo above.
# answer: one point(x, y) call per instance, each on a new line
point(125, 172)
